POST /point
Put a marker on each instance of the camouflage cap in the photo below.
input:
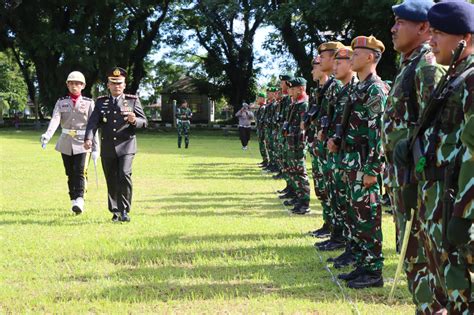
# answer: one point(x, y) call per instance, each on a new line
point(298, 81)
point(344, 53)
point(370, 42)
point(330, 46)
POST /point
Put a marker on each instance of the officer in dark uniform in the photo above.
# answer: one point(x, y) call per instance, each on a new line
point(117, 115)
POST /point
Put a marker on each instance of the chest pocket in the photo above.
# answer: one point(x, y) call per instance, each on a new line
point(65, 108)
point(452, 115)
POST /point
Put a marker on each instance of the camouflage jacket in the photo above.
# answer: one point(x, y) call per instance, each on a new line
point(260, 116)
point(333, 89)
point(455, 138)
point(362, 150)
point(336, 106)
point(295, 137)
point(397, 123)
point(267, 117)
point(183, 113)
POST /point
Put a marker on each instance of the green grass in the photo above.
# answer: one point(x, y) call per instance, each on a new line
point(208, 235)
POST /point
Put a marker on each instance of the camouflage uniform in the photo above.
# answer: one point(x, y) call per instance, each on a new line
point(183, 116)
point(361, 155)
point(398, 123)
point(268, 125)
point(451, 135)
point(296, 145)
point(261, 133)
point(285, 103)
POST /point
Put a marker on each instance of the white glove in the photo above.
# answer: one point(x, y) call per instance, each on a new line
point(471, 232)
point(95, 156)
point(44, 140)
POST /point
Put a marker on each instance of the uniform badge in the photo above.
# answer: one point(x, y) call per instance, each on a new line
point(104, 119)
point(375, 104)
point(116, 72)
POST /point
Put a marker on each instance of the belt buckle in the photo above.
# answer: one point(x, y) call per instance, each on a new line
point(72, 133)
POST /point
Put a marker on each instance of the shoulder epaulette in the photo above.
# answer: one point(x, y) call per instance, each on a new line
point(131, 96)
point(63, 98)
point(87, 98)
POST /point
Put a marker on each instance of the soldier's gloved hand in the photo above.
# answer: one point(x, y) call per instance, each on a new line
point(95, 156)
point(402, 154)
point(459, 231)
point(44, 138)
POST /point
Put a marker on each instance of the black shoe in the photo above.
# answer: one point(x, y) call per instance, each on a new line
point(301, 210)
point(319, 244)
point(323, 232)
point(351, 275)
point(124, 217)
point(332, 245)
point(288, 195)
point(284, 191)
point(115, 217)
point(290, 202)
point(346, 261)
point(368, 279)
point(186, 145)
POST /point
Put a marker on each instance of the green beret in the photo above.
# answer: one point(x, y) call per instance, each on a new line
point(298, 81)
point(262, 94)
point(286, 77)
point(272, 89)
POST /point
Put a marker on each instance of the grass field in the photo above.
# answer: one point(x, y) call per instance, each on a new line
point(207, 235)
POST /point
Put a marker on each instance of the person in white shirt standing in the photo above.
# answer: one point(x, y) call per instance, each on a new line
point(72, 112)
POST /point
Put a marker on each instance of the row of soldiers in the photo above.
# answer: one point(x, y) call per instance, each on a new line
point(418, 134)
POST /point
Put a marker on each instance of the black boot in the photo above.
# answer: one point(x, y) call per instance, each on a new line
point(319, 244)
point(290, 202)
point(301, 208)
point(179, 142)
point(186, 143)
point(333, 244)
point(124, 217)
point(288, 195)
point(278, 176)
point(323, 232)
point(116, 216)
point(284, 190)
point(368, 279)
point(347, 260)
point(351, 275)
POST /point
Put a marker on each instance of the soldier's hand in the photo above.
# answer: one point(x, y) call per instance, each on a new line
point(369, 181)
point(87, 144)
point(131, 118)
point(332, 146)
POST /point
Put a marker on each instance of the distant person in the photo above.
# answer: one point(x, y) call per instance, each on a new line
point(118, 115)
point(72, 112)
point(245, 116)
point(183, 122)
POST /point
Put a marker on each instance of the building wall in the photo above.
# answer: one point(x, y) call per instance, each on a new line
point(199, 104)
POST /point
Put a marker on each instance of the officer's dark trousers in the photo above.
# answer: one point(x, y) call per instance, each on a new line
point(244, 134)
point(118, 174)
point(76, 173)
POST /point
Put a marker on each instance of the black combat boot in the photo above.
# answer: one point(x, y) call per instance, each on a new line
point(186, 143)
point(336, 241)
point(290, 202)
point(116, 216)
point(323, 232)
point(278, 176)
point(301, 208)
point(284, 190)
point(351, 275)
point(368, 279)
point(289, 195)
point(124, 217)
point(179, 142)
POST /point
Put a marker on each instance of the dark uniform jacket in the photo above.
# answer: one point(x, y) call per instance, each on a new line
point(117, 135)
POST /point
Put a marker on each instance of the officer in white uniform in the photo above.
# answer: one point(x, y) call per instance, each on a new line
point(72, 112)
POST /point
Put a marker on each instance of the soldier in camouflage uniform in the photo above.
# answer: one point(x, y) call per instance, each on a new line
point(361, 159)
point(260, 128)
point(276, 130)
point(296, 142)
point(341, 233)
point(443, 160)
point(328, 87)
point(268, 127)
point(282, 160)
point(415, 80)
point(183, 120)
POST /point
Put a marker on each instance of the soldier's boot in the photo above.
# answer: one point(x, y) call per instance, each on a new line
point(343, 255)
point(289, 195)
point(279, 175)
point(301, 208)
point(284, 190)
point(335, 242)
point(116, 216)
point(318, 244)
point(179, 142)
point(351, 275)
point(186, 143)
point(368, 279)
point(347, 260)
point(322, 232)
point(291, 202)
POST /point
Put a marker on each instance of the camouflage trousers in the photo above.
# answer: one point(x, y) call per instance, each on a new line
point(282, 156)
point(320, 182)
point(336, 190)
point(270, 145)
point(365, 220)
point(261, 145)
point(450, 268)
point(183, 129)
point(298, 175)
point(415, 262)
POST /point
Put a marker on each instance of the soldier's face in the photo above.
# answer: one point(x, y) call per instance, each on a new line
point(405, 34)
point(75, 87)
point(327, 61)
point(360, 59)
point(342, 68)
point(442, 44)
point(116, 89)
point(316, 72)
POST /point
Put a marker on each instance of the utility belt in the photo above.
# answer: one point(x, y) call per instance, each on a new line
point(73, 132)
point(183, 120)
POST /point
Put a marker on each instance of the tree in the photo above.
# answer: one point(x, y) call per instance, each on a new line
point(226, 30)
point(61, 36)
point(13, 93)
point(303, 25)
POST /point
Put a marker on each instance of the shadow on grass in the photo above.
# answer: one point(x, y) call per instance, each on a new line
point(237, 171)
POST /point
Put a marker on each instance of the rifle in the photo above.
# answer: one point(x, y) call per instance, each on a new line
point(342, 127)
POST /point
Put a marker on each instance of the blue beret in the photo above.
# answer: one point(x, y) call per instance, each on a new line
point(413, 10)
point(453, 17)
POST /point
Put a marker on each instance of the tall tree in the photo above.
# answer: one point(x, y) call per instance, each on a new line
point(226, 31)
point(60, 36)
